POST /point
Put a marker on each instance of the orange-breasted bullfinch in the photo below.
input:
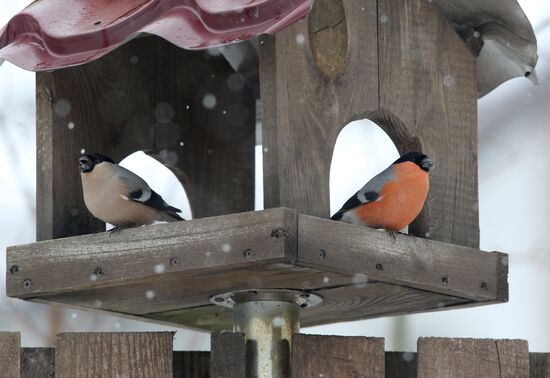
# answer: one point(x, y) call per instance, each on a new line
point(120, 197)
point(393, 198)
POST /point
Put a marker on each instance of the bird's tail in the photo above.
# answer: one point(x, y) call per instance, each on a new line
point(170, 214)
point(338, 215)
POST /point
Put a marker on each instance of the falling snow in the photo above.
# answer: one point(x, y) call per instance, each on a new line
point(62, 108)
point(300, 39)
point(150, 294)
point(226, 248)
point(277, 322)
point(359, 280)
point(70, 125)
point(159, 268)
point(449, 81)
point(384, 19)
point(209, 101)
point(407, 356)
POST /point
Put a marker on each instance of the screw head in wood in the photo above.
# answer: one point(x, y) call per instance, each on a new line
point(27, 284)
point(322, 254)
point(14, 269)
point(445, 279)
point(174, 261)
point(98, 271)
point(279, 233)
point(379, 267)
point(248, 252)
point(483, 286)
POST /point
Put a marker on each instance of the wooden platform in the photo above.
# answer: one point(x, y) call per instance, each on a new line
point(168, 272)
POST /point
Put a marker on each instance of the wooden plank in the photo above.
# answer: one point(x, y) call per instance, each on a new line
point(228, 355)
point(365, 300)
point(10, 344)
point(191, 364)
point(308, 97)
point(409, 261)
point(337, 356)
point(132, 354)
point(37, 363)
point(539, 365)
point(109, 111)
point(401, 364)
point(130, 256)
point(209, 146)
point(440, 357)
point(428, 84)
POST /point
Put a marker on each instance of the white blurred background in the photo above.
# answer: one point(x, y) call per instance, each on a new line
point(514, 179)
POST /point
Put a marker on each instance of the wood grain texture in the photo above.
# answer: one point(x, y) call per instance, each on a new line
point(228, 355)
point(539, 365)
point(216, 161)
point(168, 272)
point(401, 364)
point(139, 354)
point(146, 95)
point(37, 363)
point(405, 260)
point(445, 357)
point(104, 260)
point(10, 344)
point(303, 109)
point(428, 82)
point(337, 356)
point(191, 365)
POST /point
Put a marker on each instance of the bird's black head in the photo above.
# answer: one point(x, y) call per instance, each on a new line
point(418, 158)
point(87, 162)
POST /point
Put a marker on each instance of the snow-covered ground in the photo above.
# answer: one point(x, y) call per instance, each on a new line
point(514, 176)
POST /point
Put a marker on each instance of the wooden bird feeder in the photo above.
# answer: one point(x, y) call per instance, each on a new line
point(397, 62)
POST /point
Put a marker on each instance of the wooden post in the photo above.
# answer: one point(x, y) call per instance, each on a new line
point(37, 362)
point(10, 344)
point(228, 355)
point(396, 62)
point(146, 95)
point(337, 356)
point(135, 354)
point(443, 357)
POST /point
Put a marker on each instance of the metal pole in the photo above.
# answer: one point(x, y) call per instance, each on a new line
point(268, 318)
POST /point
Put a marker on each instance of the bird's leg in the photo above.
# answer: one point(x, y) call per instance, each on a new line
point(115, 229)
point(393, 234)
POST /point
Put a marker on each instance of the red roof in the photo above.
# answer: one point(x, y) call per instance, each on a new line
point(51, 34)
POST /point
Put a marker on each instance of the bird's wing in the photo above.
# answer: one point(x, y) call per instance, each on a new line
point(139, 191)
point(368, 193)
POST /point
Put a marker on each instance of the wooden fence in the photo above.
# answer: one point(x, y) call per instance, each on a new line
point(150, 354)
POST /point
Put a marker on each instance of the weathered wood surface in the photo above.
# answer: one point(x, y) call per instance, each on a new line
point(228, 355)
point(10, 344)
point(361, 273)
point(130, 256)
point(37, 363)
point(445, 357)
point(139, 354)
point(316, 76)
point(428, 81)
point(191, 364)
point(401, 365)
point(405, 260)
point(539, 365)
point(146, 95)
point(379, 60)
point(337, 356)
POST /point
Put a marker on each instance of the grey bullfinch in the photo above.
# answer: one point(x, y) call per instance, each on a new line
point(120, 197)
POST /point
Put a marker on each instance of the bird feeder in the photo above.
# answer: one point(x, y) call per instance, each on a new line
point(118, 75)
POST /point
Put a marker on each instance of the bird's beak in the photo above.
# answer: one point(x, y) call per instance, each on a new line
point(427, 164)
point(84, 165)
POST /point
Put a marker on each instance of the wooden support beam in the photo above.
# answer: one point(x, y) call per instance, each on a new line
point(443, 357)
point(128, 354)
point(401, 364)
point(10, 345)
point(228, 355)
point(337, 356)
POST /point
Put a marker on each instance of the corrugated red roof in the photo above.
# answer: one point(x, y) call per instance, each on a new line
point(52, 34)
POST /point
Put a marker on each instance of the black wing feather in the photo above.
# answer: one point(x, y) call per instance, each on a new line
point(156, 202)
point(353, 202)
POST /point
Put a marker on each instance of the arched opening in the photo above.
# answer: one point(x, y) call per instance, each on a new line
point(160, 179)
point(362, 150)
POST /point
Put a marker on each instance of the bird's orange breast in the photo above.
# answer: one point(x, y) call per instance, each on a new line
point(400, 201)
